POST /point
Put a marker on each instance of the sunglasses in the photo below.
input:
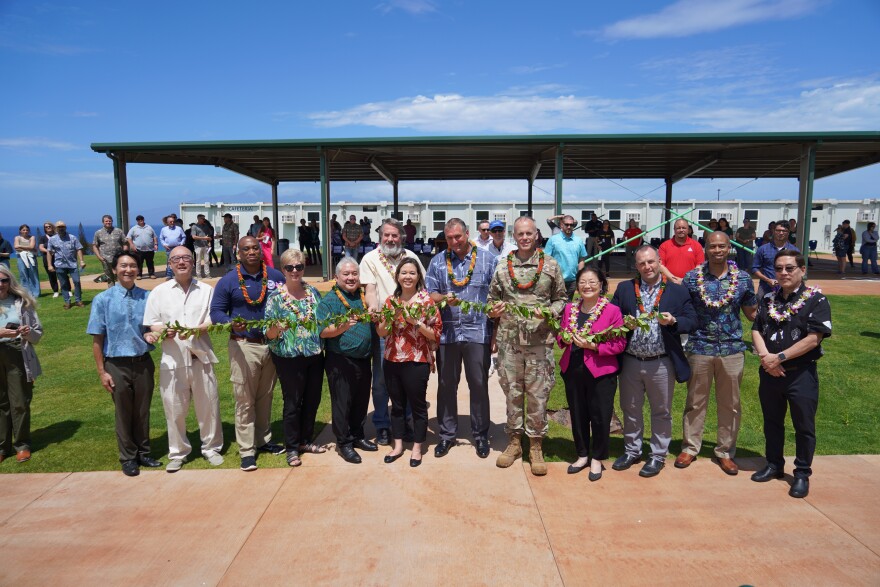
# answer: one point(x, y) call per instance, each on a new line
point(497, 230)
point(4, 280)
point(292, 268)
point(483, 229)
point(570, 224)
point(786, 269)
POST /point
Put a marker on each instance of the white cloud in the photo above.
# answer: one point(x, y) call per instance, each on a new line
point(691, 17)
point(530, 69)
point(410, 6)
point(30, 143)
point(457, 113)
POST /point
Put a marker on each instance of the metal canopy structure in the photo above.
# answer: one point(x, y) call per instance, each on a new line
point(669, 157)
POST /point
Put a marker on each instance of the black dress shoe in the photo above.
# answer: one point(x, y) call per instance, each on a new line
point(767, 473)
point(800, 487)
point(149, 462)
point(131, 469)
point(625, 461)
point(391, 458)
point(415, 463)
point(383, 437)
point(348, 454)
point(572, 469)
point(443, 447)
point(652, 467)
point(364, 444)
point(482, 447)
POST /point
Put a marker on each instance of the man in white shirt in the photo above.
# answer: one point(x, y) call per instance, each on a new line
point(377, 270)
point(484, 237)
point(499, 246)
point(187, 368)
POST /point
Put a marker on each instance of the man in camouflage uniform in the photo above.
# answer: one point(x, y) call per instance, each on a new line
point(526, 364)
point(107, 243)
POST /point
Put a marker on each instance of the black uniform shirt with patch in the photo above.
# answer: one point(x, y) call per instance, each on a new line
point(814, 316)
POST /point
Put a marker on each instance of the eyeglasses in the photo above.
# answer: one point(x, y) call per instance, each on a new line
point(786, 269)
point(4, 280)
point(484, 229)
point(497, 230)
point(180, 259)
point(292, 268)
point(590, 283)
point(570, 224)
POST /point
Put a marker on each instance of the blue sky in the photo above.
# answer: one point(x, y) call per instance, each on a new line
point(82, 72)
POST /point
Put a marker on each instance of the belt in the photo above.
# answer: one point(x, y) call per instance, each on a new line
point(253, 339)
point(136, 359)
point(652, 358)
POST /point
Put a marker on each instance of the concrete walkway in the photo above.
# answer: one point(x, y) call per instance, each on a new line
point(457, 520)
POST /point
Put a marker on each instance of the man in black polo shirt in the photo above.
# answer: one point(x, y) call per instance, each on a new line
point(787, 334)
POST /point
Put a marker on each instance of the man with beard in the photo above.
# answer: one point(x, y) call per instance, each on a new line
point(242, 294)
point(680, 254)
point(377, 270)
point(462, 273)
point(526, 277)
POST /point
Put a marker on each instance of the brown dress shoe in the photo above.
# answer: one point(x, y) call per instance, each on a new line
point(23, 455)
point(67, 306)
point(684, 460)
point(80, 305)
point(728, 466)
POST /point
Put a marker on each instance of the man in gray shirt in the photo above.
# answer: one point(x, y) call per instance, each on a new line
point(142, 239)
point(200, 243)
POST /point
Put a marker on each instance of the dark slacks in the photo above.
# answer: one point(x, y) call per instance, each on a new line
point(145, 256)
point(16, 393)
point(301, 381)
point(53, 277)
point(475, 357)
point(798, 390)
point(590, 405)
point(349, 380)
point(227, 256)
point(407, 385)
point(132, 394)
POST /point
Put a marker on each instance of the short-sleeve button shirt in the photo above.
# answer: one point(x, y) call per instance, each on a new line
point(719, 330)
point(118, 314)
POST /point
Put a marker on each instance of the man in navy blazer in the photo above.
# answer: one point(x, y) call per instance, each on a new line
point(653, 360)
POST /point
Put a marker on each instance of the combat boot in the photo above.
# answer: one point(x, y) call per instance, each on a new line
point(511, 453)
point(536, 457)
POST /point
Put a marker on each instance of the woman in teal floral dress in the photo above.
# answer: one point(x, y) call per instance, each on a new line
point(297, 352)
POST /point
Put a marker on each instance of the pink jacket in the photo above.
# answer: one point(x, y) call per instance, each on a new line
point(602, 361)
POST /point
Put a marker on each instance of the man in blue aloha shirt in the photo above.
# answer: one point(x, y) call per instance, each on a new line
point(568, 251)
point(462, 273)
point(716, 351)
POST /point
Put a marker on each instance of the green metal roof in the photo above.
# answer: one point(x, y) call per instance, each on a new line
point(621, 156)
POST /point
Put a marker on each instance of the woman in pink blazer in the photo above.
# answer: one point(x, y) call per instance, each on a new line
point(589, 369)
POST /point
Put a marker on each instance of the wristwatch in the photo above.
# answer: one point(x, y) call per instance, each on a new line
point(781, 357)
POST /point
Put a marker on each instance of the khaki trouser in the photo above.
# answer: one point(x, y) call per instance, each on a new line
point(178, 387)
point(727, 372)
point(252, 373)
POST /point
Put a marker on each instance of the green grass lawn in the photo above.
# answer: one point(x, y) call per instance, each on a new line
point(72, 415)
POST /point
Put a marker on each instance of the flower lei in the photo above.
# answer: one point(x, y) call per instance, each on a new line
point(656, 308)
point(343, 299)
point(243, 287)
point(781, 315)
point(303, 318)
point(729, 295)
point(534, 279)
point(470, 272)
point(592, 316)
point(385, 263)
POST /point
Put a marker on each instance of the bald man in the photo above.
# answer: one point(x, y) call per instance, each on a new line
point(186, 372)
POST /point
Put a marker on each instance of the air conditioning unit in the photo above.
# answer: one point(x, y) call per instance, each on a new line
point(726, 214)
point(502, 216)
point(235, 218)
point(289, 218)
point(637, 216)
point(415, 217)
point(867, 216)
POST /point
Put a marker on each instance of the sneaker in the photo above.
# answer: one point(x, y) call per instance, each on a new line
point(248, 463)
point(214, 458)
point(271, 448)
point(174, 465)
point(55, 295)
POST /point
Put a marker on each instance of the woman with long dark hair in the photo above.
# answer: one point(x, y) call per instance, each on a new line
point(20, 329)
point(412, 334)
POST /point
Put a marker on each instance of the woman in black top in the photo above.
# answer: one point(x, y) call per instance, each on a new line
point(605, 239)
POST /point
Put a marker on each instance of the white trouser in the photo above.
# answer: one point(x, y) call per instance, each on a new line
point(199, 384)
